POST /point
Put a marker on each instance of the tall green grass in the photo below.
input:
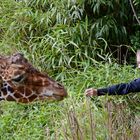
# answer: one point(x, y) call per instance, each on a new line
point(77, 117)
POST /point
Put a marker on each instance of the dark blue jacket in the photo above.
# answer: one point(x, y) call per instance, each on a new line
point(121, 89)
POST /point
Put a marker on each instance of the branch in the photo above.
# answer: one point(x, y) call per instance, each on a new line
point(132, 6)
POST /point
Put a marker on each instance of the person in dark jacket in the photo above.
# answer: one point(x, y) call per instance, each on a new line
point(118, 89)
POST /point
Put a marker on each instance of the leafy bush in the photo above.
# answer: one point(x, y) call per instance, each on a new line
point(66, 33)
point(135, 40)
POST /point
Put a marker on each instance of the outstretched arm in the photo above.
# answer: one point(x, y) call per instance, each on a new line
point(119, 89)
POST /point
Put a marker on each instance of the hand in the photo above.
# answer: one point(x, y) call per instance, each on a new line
point(91, 92)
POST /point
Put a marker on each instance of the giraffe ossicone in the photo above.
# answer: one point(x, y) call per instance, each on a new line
point(21, 82)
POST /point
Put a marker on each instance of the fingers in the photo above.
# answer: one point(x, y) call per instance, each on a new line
point(91, 92)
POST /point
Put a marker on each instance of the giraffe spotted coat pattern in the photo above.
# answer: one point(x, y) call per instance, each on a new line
point(21, 82)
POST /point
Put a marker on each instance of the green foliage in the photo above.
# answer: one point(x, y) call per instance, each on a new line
point(77, 117)
point(135, 40)
point(109, 18)
point(50, 31)
point(68, 38)
point(137, 6)
point(60, 33)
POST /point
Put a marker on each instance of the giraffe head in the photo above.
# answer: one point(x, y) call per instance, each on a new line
point(21, 82)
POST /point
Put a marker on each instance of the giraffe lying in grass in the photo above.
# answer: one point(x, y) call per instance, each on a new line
point(21, 82)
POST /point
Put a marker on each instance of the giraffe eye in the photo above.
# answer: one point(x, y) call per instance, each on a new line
point(18, 78)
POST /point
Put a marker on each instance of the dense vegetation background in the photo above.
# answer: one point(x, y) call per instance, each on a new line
point(80, 43)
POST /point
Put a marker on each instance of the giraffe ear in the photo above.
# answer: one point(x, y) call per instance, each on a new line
point(18, 58)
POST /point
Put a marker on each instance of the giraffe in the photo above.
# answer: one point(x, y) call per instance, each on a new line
point(21, 82)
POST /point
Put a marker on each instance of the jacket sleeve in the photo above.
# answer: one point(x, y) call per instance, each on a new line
point(121, 89)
